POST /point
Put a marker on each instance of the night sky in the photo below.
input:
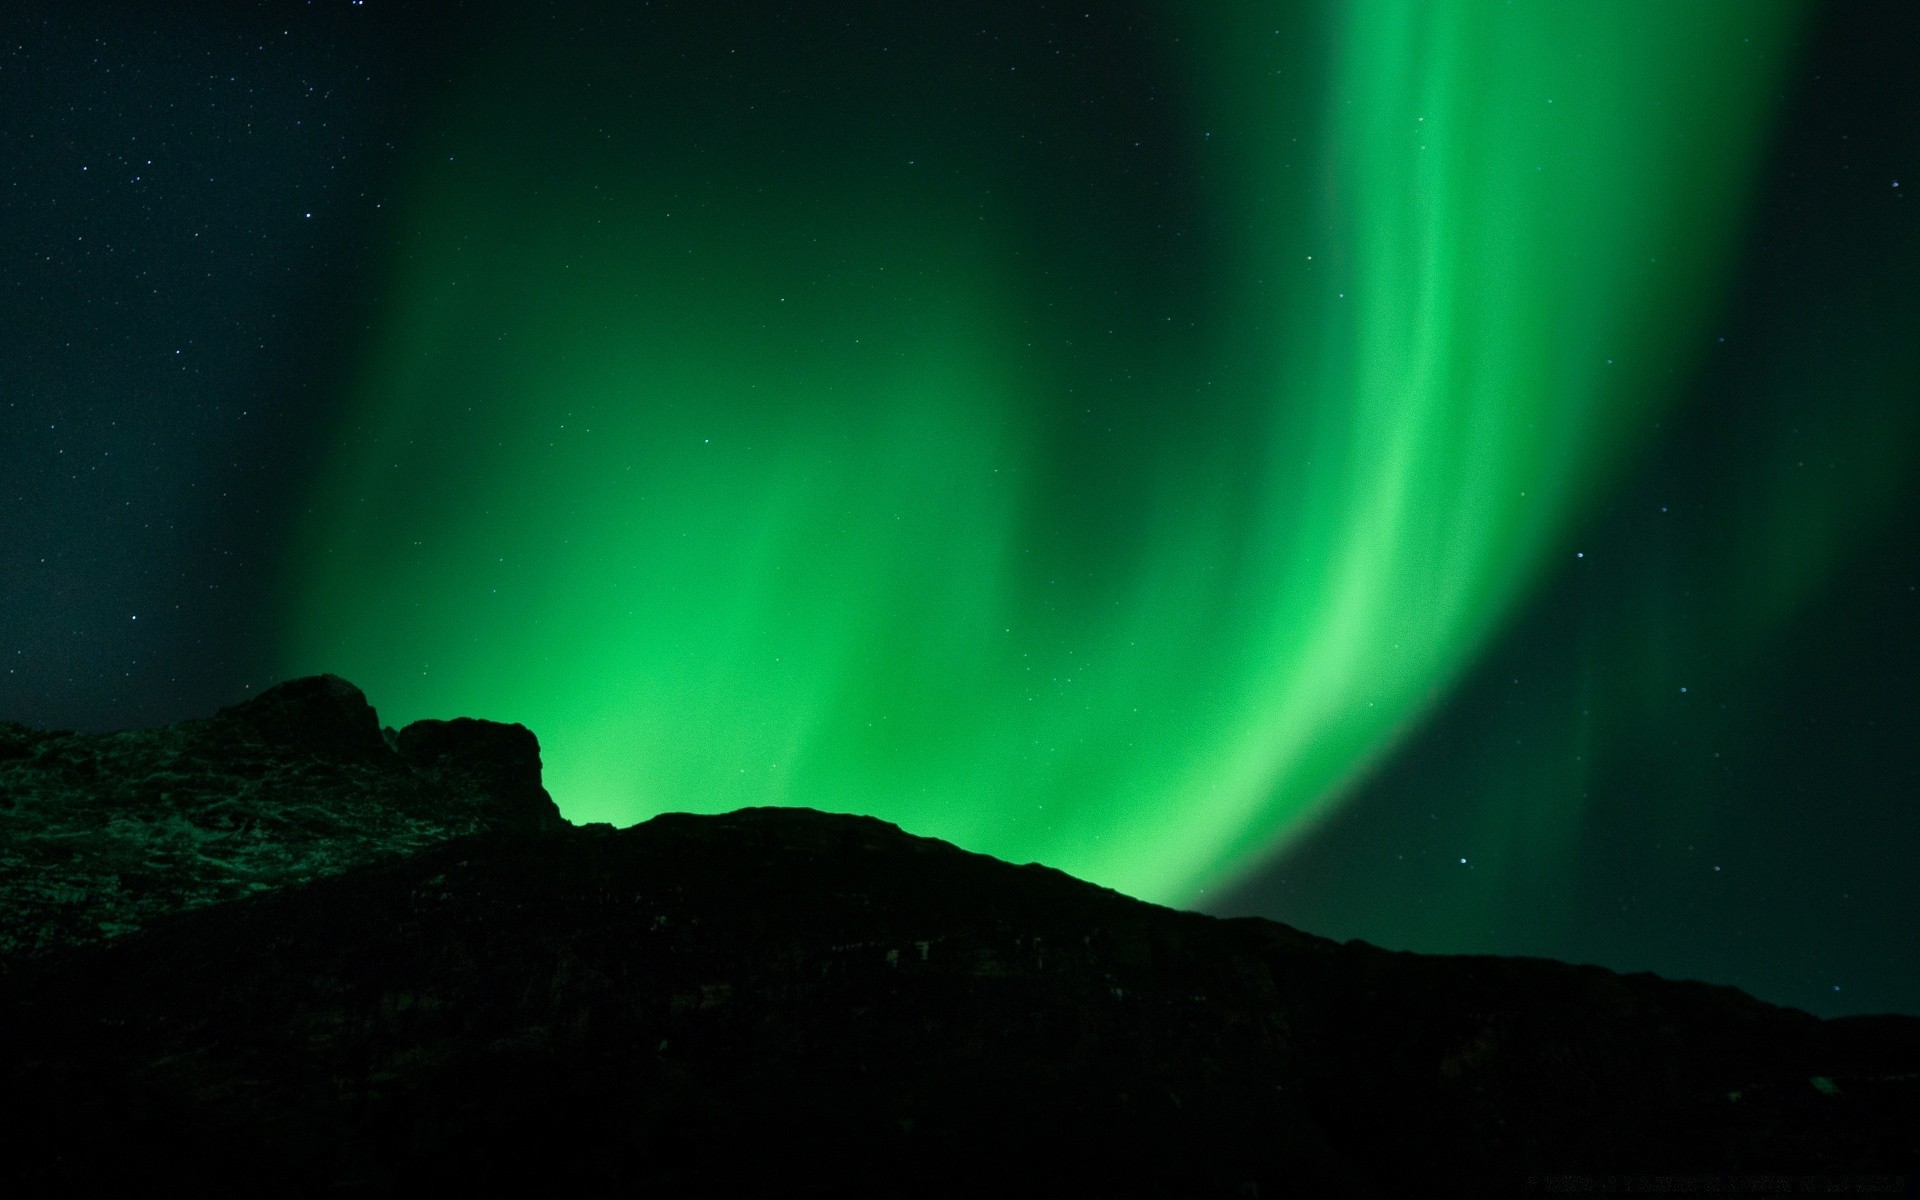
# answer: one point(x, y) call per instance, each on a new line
point(1438, 474)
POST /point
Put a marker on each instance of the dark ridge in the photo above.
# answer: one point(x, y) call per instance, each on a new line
point(788, 1002)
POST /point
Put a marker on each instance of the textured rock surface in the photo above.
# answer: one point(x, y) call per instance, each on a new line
point(783, 1002)
point(100, 834)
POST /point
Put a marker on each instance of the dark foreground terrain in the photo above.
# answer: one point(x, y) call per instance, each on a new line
point(786, 1002)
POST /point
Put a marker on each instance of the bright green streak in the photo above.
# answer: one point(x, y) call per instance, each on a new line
point(746, 477)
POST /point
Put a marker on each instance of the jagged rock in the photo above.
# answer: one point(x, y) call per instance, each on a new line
point(468, 994)
point(323, 715)
point(498, 765)
point(101, 834)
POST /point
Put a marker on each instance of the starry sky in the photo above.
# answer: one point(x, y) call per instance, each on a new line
point(1443, 475)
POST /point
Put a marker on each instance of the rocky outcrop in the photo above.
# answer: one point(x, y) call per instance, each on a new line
point(466, 994)
point(101, 834)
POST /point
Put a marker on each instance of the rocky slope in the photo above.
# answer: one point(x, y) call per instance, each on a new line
point(100, 834)
point(782, 1002)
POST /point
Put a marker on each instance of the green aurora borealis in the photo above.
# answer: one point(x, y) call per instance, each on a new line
point(1108, 485)
point(1444, 474)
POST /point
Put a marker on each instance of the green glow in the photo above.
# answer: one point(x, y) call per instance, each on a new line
point(748, 476)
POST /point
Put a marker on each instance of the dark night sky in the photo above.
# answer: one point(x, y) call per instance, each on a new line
point(1674, 730)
